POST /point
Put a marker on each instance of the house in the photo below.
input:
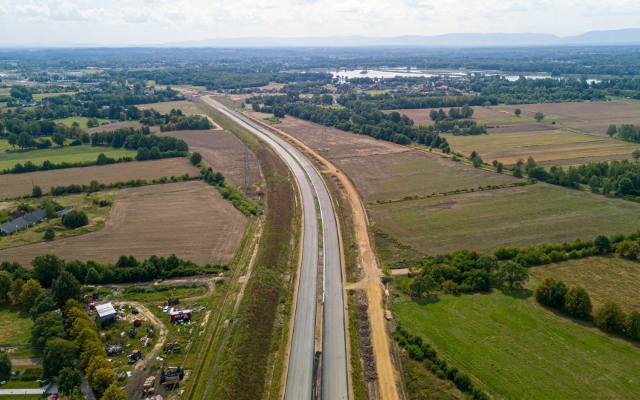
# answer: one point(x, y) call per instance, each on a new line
point(106, 313)
point(178, 316)
point(22, 222)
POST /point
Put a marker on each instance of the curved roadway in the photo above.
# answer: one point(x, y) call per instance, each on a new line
point(300, 374)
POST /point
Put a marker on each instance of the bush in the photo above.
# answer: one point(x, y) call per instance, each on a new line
point(75, 219)
point(577, 303)
point(611, 318)
point(36, 191)
point(49, 234)
point(196, 158)
point(633, 325)
point(551, 293)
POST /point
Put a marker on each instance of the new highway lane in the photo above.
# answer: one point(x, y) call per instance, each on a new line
point(300, 375)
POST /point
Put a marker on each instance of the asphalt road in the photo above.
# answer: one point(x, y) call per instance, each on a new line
point(334, 354)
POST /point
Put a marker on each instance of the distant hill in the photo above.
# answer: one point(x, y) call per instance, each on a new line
point(593, 38)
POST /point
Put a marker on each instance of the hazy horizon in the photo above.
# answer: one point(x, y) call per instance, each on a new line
point(149, 22)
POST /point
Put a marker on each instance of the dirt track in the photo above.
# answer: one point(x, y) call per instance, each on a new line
point(188, 219)
point(387, 376)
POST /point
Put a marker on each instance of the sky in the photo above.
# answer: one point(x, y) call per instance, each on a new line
point(137, 22)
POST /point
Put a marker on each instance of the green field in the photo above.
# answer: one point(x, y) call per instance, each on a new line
point(15, 329)
point(519, 216)
point(83, 202)
point(515, 347)
point(605, 278)
point(40, 96)
point(58, 155)
point(161, 293)
point(82, 121)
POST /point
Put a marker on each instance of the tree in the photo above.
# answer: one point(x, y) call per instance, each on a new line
point(16, 291)
point(602, 243)
point(31, 290)
point(611, 318)
point(196, 158)
point(65, 287)
point(551, 293)
point(5, 366)
point(539, 116)
point(512, 274)
point(36, 191)
point(49, 234)
point(517, 112)
point(58, 139)
point(633, 325)
point(423, 285)
point(531, 164)
point(577, 303)
point(95, 364)
point(46, 326)
point(612, 130)
point(75, 219)
point(68, 380)
point(499, 167)
point(517, 172)
point(46, 268)
point(114, 392)
point(636, 154)
point(43, 304)
point(102, 379)
point(628, 249)
point(58, 354)
point(5, 287)
point(13, 140)
point(25, 140)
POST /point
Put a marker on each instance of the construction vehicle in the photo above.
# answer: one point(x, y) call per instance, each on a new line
point(135, 356)
point(173, 347)
point(171, 376)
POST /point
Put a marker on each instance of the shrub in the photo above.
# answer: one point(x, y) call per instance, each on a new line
point(611, 318)
point(75, 219)
point(551, 293)
point(633, 325)
point(196, 158)
point(49, 234)
point(577, 303)
point(36, 191)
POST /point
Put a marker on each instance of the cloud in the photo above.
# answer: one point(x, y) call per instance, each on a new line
point(148, 21)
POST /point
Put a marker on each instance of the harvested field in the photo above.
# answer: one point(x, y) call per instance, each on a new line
point(15, 185)
point(605, 278)
point(548, 147)
point(518, 216)
point(187, 107)
point(589, 117)
point(386, 171)
point(499, 114)
point(188, 219)
point(225, 152)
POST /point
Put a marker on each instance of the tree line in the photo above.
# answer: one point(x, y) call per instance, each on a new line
point(469, 271)
point(63, 333)
point(576, 303)
point(424, 353)
point(127, 269)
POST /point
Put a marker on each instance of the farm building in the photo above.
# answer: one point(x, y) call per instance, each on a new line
point(106, 313)
point(22, 222)
point(182, 315)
